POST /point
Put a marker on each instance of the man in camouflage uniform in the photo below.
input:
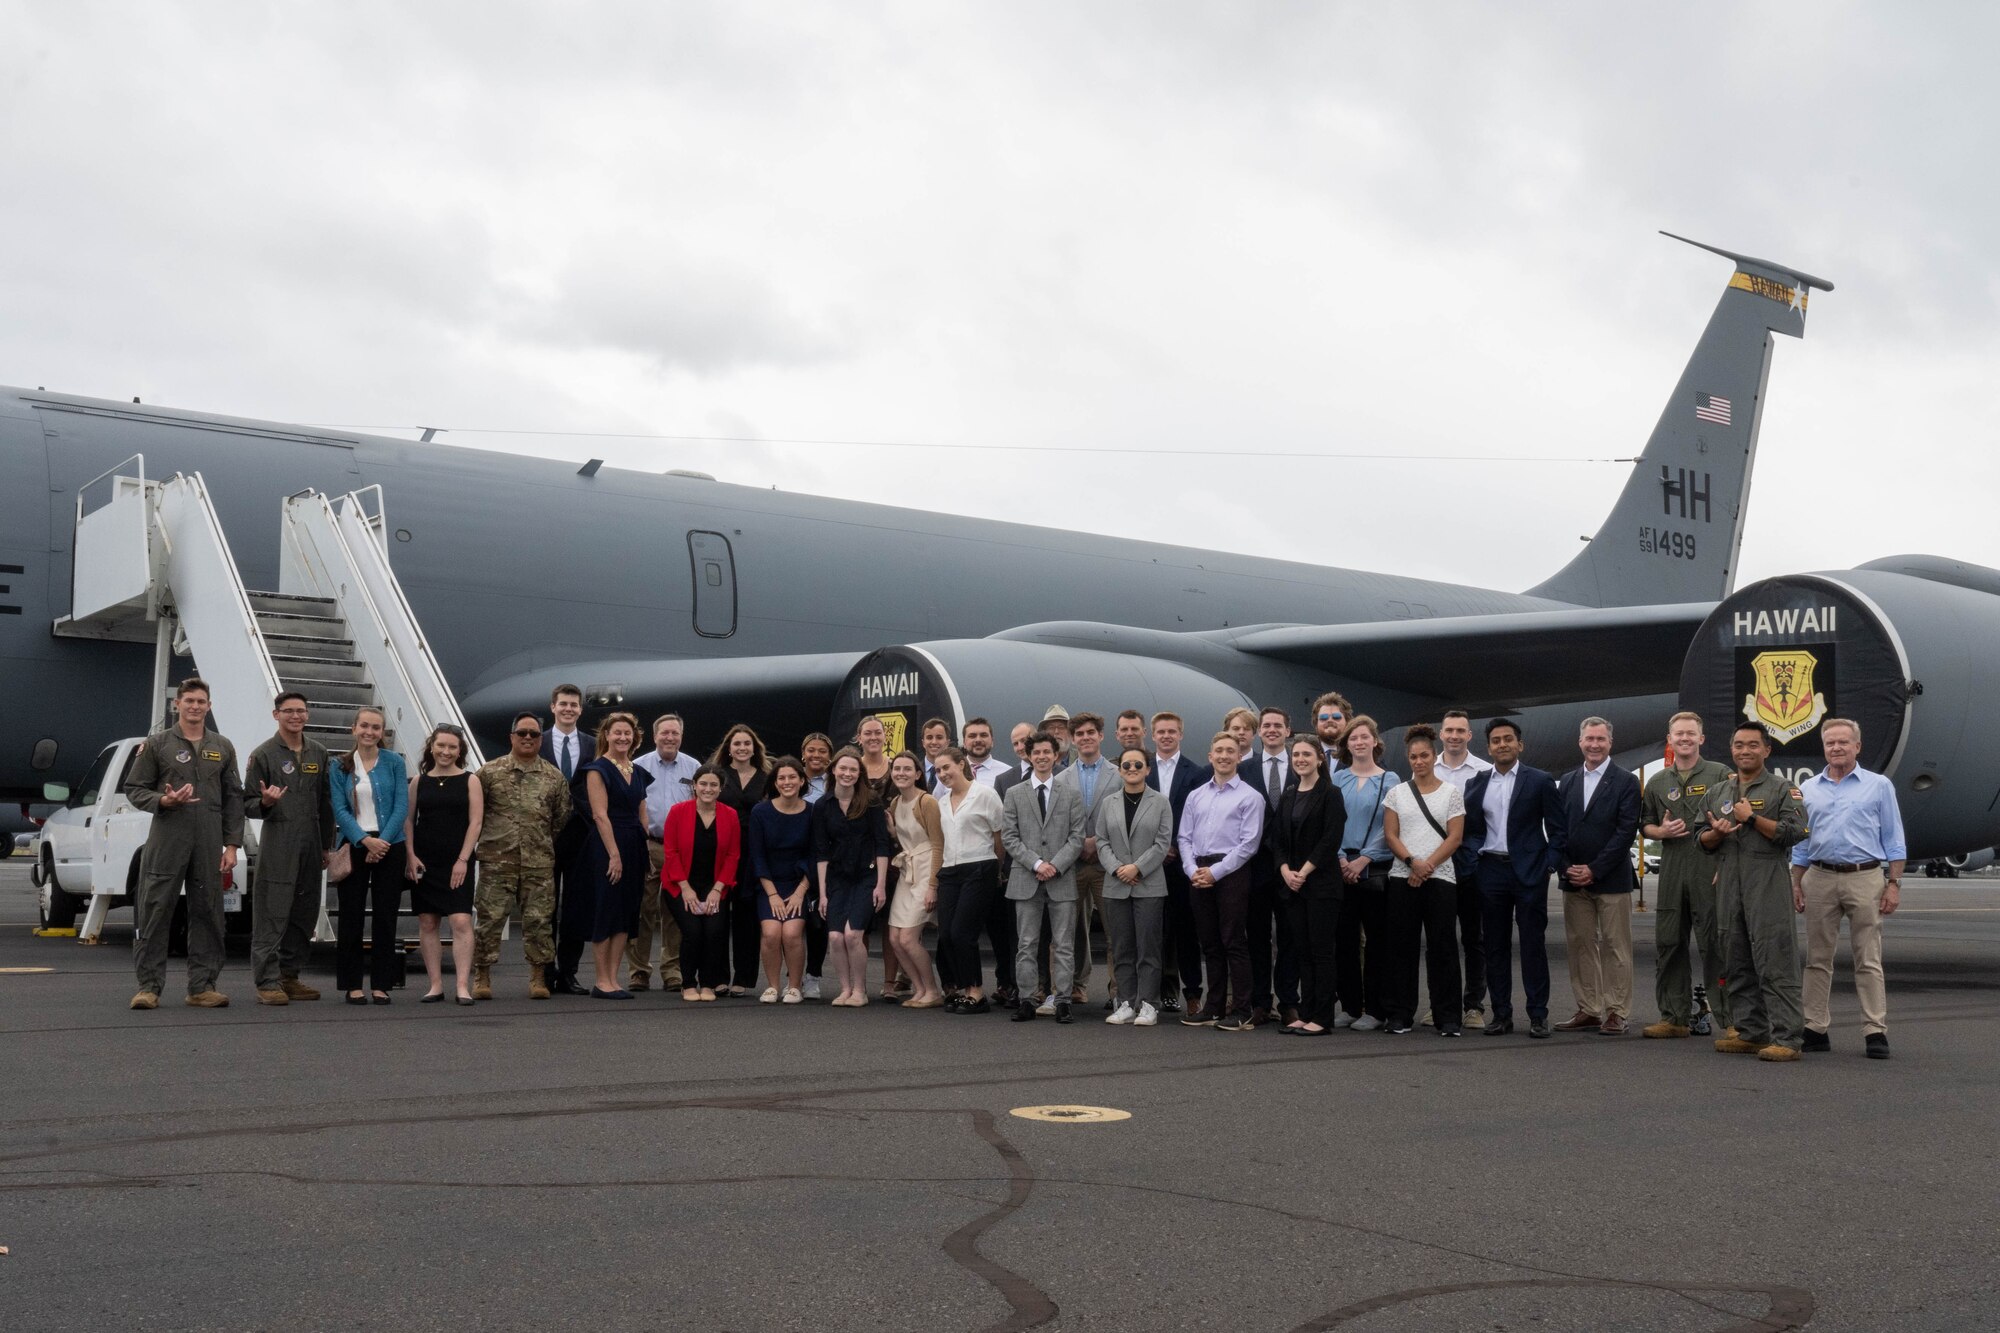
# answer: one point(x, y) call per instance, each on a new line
point(527, 802)
point(1752, 822)
point(1674, 800)
point(285, 786)
point(186, 778)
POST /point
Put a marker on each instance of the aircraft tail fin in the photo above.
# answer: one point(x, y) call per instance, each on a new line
point(1677, 527)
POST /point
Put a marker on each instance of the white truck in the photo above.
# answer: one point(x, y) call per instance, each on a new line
point(87, 854)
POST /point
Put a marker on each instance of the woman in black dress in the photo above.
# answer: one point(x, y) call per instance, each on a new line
point(746, 771)
point(614, 856)
point(446, 808)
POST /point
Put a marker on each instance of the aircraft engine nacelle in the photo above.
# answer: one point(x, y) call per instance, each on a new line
point(1915, 660)
point(1007, 681)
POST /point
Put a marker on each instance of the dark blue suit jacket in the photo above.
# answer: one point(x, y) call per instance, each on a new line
point(1601, 836)
point(1188, 774)
point(570, 838)
point(1537, 823)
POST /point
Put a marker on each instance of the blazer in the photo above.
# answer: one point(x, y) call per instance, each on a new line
point(1601, 836)
point(1189, 773)
point(1146, 846)
point(677, 846)
point(586, 749)
point(1536, 822)
point(1323, 819)
point(1029, 837)
point(389, 780)
point(1251, 770)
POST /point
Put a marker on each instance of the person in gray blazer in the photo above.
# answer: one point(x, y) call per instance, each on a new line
point(1043, 834)
point(1134, 831)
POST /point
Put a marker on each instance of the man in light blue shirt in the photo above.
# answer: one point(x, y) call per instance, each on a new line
point(1850, 865)
point(1095, 776)
point(673, 778)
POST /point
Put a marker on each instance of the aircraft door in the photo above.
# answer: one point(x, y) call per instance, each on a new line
point(714, 566)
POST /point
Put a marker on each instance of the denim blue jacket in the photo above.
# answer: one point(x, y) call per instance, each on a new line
point(390, 780)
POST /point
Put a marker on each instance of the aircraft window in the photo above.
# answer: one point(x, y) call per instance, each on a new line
point(713, 572)
point(93, 781)
point(713, 567)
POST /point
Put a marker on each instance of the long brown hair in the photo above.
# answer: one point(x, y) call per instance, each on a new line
point(441, 729)
point(864, 794)
point(604, 729)
point(758, 755)
point(347, 760)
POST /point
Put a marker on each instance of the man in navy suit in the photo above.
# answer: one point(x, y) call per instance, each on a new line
point(1182, 949)
point(569, 748)
point(1601, 805)
point(1514, 819)
point(1266, 769)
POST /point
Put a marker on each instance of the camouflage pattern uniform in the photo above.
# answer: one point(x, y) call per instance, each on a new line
point(1754, 892)
point(292, 840)
point(184, 844)
point(1686, 904)
point(526, 805)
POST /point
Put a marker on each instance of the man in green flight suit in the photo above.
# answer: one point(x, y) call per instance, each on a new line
point(1752, 821)
point(527, 803)
point(1673, 805)
point(186, 778)
point(285, 786)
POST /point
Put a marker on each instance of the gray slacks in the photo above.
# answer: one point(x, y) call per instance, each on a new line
point(1137, 928)
point(1062, 941)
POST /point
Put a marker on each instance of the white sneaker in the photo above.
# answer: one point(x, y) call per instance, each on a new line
point(770, 995)
point(1047, 1006)
point(1475, 1018)
point(1148, 1017)
point(1121, 1015)
point(1346, 1020)
point(812, 988)
point(1366, 1023)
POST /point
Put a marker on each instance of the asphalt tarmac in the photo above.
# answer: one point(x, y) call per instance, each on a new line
point(579, 1164)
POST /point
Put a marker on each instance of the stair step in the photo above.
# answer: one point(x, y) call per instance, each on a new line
point(295, 665)
point(310, 647)
point(311, 627)
point(335, 693)
point(292, 603)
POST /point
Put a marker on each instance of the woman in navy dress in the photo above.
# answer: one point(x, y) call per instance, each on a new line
point(615, 860)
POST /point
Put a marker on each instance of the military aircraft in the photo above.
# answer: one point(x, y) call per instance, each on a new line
point(726, 603)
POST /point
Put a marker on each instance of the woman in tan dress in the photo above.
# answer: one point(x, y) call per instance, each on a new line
point(914, 823)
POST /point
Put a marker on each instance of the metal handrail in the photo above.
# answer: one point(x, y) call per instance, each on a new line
point(236, 584)
point(140, 459)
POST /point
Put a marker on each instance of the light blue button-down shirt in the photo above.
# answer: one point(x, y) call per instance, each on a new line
point(1087, 776)
point(1363, 798)
point(1852, 820)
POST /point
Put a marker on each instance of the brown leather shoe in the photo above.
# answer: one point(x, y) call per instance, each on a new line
point(146, 999)
point(1737, 1046)
point(1663, 1029)
point(297, 990)
point(538, 989)
point(273, 997)
point(1577, 1022)
point(1779, 1054)
point(209, 999)
point(638, 984)
point(1612, 1026)
point(482, 983)
point(1260, 1018)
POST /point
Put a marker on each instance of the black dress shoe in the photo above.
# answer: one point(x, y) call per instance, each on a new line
point(570, 986)
point(1500, 1027)
point(1062, 1011)
point(465, 1000)
point(1170, 1005)
point(1817, 1041)
point(1538, 1027)
point(978, 1006)
point(1878, 1045)
point(1024, 1012)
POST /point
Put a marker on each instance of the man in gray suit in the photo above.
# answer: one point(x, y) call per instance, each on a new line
point(1134, 830)
point(1095, 775)
point(1043, 835)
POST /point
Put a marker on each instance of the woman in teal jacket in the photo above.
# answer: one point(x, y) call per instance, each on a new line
point(371, 798)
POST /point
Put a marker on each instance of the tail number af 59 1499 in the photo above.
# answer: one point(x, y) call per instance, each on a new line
point(1659, 541)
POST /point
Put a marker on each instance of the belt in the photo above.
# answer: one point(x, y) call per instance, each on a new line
point(1841, 868)
point(1495, 856)
point(1213, 858)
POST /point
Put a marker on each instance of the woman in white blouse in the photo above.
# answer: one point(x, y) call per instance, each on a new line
point(968, 878)
point(1424, 820)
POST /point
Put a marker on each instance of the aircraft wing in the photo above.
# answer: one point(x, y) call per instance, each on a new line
point(1489, 664)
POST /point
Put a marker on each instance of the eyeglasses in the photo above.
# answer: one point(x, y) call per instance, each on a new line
point(1331, 717)
point(526, 733)
point(1133, 767)
point(291, 712)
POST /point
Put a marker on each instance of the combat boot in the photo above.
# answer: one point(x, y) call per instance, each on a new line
point(297, 990)
point(273, 997)
point(538, 986)
point(146, 999)
point(482, 984)
point(1737, 1046)
point(1663, 1029)
point(1779, 1053)
point(208, 999)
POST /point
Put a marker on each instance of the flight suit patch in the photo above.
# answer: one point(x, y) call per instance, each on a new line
point(1756, 805)
point(1798, 795)
point(1675, 794)
point(286, 767)
point(213, 756)
point(310, 768)
point(1698, 791)
point(184, 758)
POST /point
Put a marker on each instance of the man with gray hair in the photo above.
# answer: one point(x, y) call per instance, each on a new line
point(1594, 868)
point(1850, 865)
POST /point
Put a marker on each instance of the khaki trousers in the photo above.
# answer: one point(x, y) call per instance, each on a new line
point(1829, 897)
point(1599, 930)
point(652, 921)
point(1089, 899)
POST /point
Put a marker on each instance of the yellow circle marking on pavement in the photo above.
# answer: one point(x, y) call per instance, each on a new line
point(1072, 1115)
point(22, 971)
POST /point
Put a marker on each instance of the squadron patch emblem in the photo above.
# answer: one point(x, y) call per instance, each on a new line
point(1783, 700)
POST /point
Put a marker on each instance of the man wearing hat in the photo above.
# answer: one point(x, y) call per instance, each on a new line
point(1056, 723)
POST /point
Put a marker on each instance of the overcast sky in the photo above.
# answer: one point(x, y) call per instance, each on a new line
point(1314, 229)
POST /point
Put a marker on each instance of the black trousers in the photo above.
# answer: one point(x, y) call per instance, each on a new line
point(574, 909)
point(1471, 912)
point(1274, 983)
point(371, 895)
point(1181, 951)
point(1222, 919)
point(704, 944)
point(746, 937)
point(1314, 916)
point(1361, 946)
point(1005, 938)
point(1423, 922)
point(816, 934)
point(966, 894)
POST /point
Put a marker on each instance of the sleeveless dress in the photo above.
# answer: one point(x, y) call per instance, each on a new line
point(444, 812)
point(615, 907)
point(906, 908)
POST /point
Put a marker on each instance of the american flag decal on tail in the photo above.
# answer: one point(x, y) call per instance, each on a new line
point(1711, 408)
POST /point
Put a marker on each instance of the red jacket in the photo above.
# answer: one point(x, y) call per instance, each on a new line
point(677, 846)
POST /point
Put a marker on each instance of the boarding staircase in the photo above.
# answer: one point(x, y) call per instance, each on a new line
point(152, 563)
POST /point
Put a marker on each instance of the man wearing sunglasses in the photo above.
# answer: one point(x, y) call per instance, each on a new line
point(1330, 714)
point(527, 803)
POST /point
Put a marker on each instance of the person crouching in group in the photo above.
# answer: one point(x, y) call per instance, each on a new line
point(371, 796)
point(700, 846)
point(851, 846)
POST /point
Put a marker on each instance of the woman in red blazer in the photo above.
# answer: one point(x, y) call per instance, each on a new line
point(699, 849)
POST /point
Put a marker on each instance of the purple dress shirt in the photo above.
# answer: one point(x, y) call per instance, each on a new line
point(1226, 820)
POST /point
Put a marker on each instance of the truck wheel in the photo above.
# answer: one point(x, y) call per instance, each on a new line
point(57, 907)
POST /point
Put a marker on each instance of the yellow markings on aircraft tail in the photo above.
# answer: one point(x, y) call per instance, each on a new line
point(1072, 1115)
point(1771, 289)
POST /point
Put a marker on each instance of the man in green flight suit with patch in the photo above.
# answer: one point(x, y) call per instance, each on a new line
point(1674, 803)
point(285, 786)
point(1752, 821)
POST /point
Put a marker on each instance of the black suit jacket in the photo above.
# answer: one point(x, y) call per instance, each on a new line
point(1188, 774)
point(570, 838)
point(1601, 835)
point(1322, 821)
point(1536, 822)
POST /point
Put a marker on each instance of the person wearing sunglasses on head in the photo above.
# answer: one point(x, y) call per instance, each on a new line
point(527, 804)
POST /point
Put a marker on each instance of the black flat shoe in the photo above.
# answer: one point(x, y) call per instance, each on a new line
point(380, 997)
point(361, 998)
point(466, 1000)
point(597, 994)
point(432, 999)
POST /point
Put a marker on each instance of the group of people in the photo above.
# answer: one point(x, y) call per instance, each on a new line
point(1282, 878)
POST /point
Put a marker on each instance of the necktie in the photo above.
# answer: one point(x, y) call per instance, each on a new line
point(1272, 786)
point(569, 766)
point(1042, 798)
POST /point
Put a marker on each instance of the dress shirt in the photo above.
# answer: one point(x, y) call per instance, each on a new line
point(1591, 777)
point(1460, 774)
point(1849, 821)
point(815, 788)
point(988, 771)
point(968, 833)
point(1275, 767)
point(1499, 799)
point(1164, 765)
point(673, 782)
point(1225, 819)
point(559, 740)
point(1088, 776)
